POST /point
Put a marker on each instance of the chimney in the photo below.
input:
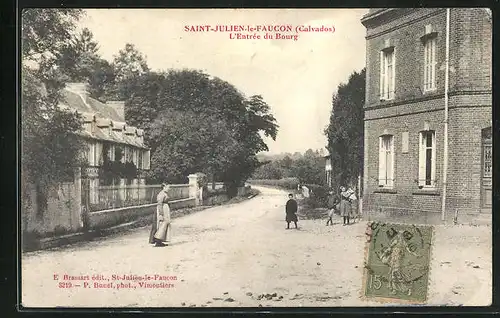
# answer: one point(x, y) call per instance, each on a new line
point(78, 88)
point(119, 107)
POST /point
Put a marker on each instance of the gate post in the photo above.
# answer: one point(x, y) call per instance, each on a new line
point(77, 207)
point(194, 191)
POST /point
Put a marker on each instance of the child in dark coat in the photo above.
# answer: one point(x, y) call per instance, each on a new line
point(291, 210)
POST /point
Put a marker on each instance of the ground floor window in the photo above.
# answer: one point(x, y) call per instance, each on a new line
point(427, 159)
point(386, 161)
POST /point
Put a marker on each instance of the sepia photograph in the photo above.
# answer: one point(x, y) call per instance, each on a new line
point(225, 158)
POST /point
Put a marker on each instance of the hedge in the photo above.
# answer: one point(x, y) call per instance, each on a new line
point(285, 183)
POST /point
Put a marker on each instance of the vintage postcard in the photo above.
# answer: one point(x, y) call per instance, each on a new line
point(255, 157)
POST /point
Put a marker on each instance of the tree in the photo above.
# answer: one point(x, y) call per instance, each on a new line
point(346, 128)
point(44, 32)
point(186, 142)
point(270, 170)
point(81, 62)
point(195, 122)
point(78, 57)
point(308, 168)
point(129, 62)
point(50, 147)
point(145, 99)
point(101, 80)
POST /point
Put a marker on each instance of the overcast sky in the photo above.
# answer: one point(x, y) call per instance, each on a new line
point(296, 78)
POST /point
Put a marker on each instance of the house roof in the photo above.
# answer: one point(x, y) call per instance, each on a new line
point(90, 105)
point(106, 117)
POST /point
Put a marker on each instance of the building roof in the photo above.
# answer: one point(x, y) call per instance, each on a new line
point(106, 117)
point(89, 105)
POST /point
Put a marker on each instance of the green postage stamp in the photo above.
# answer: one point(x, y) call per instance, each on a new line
point(397, 262)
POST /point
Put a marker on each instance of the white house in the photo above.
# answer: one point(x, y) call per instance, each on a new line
point(108, 137)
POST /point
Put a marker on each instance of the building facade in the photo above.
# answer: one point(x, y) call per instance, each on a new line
point(108, 139)
point(412, 90)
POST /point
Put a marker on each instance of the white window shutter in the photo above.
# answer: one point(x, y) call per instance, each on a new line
point(98, 154)
point(391, 167)
point(433, 165)
point(393, 84)
point(426, 65)
point(381, 162)
point(382, 75)
point(434, 63)
point(421, 160)
point(146, 159)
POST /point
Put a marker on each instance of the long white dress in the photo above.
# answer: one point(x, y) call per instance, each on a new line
point(164, 228)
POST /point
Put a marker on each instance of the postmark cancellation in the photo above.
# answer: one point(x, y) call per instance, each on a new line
point(397, 260)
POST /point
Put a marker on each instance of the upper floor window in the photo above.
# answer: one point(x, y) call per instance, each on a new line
point(387, 73)
point(430, 64)
point(427, 159)
point(386, 161)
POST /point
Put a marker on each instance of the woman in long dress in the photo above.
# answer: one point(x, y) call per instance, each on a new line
point(161, 231)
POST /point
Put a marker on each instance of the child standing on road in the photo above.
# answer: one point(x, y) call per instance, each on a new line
point(332, 207)
point(291, 210)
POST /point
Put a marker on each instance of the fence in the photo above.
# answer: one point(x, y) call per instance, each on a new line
point(178, 191)
point(112, 197)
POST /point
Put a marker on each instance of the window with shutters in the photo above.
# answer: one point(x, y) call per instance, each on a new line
point(387, 73)
point(386, 161)
point(430, 64)
point(427, 159)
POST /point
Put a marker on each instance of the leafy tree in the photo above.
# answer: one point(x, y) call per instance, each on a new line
point(195, 122)
point(145, 99)
point(308, 168)
point(81, 62)
point(44, 32)
point(129, 62)
point(185, 142)
point(50, 148)
point(345, 130)
point(77, 58)
point(270, 170)
point(101, 80)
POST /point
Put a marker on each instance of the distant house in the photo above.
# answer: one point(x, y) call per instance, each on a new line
point(108, 137)
point(409, 87)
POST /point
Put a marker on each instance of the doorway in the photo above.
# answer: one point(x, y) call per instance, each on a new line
point(487, 170)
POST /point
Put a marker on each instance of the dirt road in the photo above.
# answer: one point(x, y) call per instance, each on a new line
point(229, 255)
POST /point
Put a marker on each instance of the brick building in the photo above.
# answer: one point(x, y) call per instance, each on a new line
point(407, 95)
